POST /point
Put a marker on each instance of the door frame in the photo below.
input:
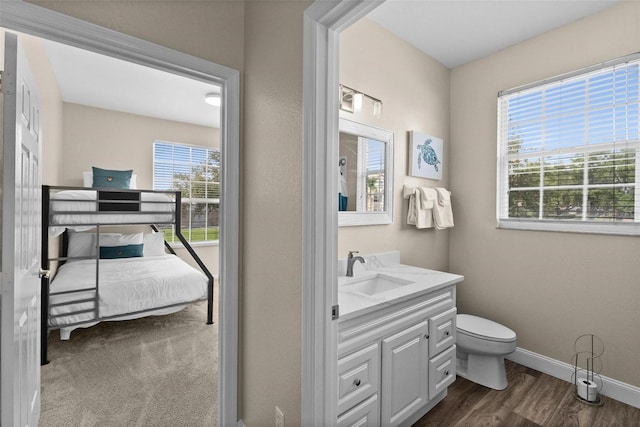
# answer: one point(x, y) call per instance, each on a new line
point(41, 22)
point(323, 22)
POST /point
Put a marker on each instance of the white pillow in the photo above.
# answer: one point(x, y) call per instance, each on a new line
point(116, 239)
point(84, 244)
point(81, 244)
point(153, 244)
point(87, 180)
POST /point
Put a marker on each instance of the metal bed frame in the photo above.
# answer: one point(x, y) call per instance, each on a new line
point(108, 201)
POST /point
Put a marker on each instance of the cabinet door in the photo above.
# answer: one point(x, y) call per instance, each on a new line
point(442, 331)
point(404, 374)
point(366, 414)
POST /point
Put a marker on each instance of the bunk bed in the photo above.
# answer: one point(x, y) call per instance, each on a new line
point(101, 276)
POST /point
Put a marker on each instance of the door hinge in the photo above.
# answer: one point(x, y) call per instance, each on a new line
point(335, 312)
point(0, 80)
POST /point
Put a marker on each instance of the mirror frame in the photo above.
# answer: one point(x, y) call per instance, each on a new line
point(351, 218)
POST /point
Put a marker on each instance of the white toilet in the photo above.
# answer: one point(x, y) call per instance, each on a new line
point(481, 347)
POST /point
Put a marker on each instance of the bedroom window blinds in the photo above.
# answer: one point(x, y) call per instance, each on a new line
point(195, 172)
point(569, 152)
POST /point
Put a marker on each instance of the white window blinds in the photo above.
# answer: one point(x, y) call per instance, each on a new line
point(569, 153)
point(195, 172)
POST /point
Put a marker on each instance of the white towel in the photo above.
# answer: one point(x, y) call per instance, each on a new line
point(421, 202)
point(424, 211)
point(442, 213)
point(409, 193)
point(342, 180)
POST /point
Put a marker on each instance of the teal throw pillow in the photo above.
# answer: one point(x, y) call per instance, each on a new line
point(105, 178)
point(126, 251)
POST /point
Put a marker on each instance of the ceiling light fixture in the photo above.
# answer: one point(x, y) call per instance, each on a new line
point(213, 99)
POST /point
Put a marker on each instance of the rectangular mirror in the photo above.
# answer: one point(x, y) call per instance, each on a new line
point(365, 174)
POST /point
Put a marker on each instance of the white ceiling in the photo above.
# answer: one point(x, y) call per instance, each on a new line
point(453, 32)
point(100, 81)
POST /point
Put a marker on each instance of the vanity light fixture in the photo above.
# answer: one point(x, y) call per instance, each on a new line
point(352, 101)
point(377, 109)
point(357, 101)
point(213, 99)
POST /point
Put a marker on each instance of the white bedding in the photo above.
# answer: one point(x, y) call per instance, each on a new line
point(126, 285)
point(85, 201)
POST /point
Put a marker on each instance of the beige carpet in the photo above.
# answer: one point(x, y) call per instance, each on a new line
point(155, 371)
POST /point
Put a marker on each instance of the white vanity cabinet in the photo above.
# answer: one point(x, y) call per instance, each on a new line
point(395, 362)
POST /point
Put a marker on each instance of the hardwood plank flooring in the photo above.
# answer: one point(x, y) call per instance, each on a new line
point(532, 399)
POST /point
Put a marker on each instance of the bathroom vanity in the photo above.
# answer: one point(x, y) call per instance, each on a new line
point(396, 341)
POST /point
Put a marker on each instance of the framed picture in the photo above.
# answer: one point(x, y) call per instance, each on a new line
point(425, 155)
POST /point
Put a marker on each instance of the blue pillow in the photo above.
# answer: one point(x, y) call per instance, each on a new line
point(126, 251)
point(105, 178)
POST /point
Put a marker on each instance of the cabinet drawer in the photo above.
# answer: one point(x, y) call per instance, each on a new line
point(442, 331)
point(358, 376)
point(366, 414)
point(442, 371)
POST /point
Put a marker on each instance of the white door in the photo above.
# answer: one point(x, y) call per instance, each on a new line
point(21, 225)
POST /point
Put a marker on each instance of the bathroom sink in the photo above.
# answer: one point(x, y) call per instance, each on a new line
point(373, 285)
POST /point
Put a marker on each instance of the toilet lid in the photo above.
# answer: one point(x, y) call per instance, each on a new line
point(484, 328)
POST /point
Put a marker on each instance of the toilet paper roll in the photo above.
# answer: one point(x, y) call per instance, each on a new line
point(587, 390)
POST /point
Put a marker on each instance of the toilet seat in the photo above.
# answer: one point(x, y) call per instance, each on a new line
point(484, 329)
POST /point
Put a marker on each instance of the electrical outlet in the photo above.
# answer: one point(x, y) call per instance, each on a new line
point(279, 418)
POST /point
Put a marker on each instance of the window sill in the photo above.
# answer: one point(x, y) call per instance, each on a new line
point(178, 245)
point(591, 227)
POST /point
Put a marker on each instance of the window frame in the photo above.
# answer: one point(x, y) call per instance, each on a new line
point(186, 201)
point(543, 224)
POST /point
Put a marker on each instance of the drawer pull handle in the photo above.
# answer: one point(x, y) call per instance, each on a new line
point(357, 382)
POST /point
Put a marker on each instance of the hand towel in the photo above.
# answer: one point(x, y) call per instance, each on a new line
point(442, 213)
point(409, 193)
point(425, 200)
point(422, 201)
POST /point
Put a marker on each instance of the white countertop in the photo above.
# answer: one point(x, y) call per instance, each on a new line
point(353, 304)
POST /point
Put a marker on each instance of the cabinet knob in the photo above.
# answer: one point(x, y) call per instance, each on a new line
point(447, 333)
point(357, 382)
point(426, 336)
point(446, 373)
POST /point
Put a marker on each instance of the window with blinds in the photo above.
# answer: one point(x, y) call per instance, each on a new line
point(371, 155)
point(195, 172)
point(569, 152)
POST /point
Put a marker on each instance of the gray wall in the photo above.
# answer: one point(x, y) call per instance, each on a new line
point(549, 287)
point(415, 91)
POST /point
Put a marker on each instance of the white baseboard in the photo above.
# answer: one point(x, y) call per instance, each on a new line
point(611, 388)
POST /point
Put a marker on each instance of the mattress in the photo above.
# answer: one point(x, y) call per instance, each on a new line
point(78, 210)
point(126, 285)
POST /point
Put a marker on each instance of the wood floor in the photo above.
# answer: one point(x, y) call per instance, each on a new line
point(532, 399)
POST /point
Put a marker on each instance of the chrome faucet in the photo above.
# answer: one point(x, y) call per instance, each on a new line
point(351, 260)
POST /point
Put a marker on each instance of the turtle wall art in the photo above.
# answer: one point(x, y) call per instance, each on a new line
point(425, 155)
